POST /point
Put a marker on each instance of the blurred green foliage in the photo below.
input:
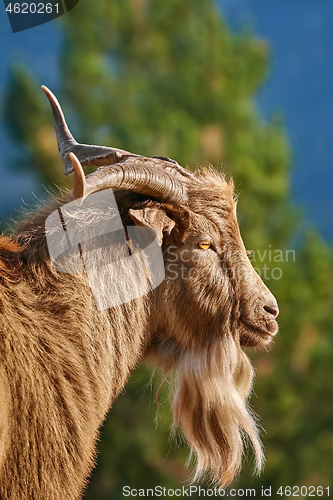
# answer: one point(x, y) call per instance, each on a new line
point(169, 78)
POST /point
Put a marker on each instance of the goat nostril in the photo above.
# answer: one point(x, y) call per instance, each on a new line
point(272, 309)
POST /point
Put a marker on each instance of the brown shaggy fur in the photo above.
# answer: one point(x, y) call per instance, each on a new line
point(63, 362)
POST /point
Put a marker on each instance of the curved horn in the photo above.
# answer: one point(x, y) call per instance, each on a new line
point(95, 155)
point(147, 176)
point(158, 177)
point(87, 155)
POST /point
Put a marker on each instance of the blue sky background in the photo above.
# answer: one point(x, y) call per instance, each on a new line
point(38, 50)
point(300, 36)
point(300, 86)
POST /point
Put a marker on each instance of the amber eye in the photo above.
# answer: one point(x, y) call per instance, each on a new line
point(204, 245)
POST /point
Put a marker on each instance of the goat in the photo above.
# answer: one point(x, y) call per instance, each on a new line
point(64, 360)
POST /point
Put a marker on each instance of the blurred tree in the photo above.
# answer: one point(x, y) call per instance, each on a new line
point(168, 78)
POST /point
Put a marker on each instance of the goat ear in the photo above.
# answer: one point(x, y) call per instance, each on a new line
point(154, 218)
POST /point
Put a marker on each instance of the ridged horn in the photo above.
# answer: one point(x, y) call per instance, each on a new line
point(148, 176)
point(86, 154)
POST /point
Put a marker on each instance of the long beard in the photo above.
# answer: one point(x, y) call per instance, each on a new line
point(210, 406)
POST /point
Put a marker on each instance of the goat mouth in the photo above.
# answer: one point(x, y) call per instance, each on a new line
point(273, 327)
point(269, 328)
point(255, 336)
